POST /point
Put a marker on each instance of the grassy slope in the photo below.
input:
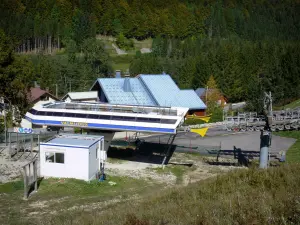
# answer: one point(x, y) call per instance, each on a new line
point(293, 154)
point(244, 197)
point(122, 62)
point(291, 105)
point(56, 197)
point(240, 197)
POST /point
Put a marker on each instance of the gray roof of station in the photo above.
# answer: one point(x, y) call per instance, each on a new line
point(81, 95)
point(72, 141)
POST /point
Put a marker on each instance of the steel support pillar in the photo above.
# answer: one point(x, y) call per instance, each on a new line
point(169, 146)
point(264, 149)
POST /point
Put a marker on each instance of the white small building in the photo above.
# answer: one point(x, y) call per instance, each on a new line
point(72, 156)
point(87, 96)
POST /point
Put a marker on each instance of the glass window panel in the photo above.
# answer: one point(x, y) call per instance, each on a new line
point(49, 157)
point(41, 113)
point(104, 117)
point(93, 116)
point(59, 157)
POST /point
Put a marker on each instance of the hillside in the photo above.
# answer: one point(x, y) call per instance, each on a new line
point(122, 61)
point(248, 47)
point(247, 196)
point(56, 21)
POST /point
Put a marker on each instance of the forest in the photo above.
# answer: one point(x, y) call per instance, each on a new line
point(247, 46)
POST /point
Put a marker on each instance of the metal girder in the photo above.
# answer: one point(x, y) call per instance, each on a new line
point(169, 146)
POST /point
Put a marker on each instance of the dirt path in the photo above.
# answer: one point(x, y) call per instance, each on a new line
point(186, 167)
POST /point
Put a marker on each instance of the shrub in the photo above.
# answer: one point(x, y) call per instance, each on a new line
point(124, 43)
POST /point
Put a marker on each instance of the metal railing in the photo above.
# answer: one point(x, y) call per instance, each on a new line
point(22, 142)
point(113, 108)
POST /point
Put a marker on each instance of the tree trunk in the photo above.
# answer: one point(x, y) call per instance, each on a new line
point(49, 44)
point(39, 41)
point(58, 43)
point(28, 45)
point(43, 43)
point(210, 30)
point(169, 51)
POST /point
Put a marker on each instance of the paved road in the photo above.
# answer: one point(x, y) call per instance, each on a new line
point(248, 141)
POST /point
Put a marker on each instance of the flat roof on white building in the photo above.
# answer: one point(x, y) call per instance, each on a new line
point(84, 141)
point(82, 95)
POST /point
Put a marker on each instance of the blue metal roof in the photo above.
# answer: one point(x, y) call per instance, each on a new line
point(113, 89)
point(189, 99)
point(149, 90)
point(166, 92)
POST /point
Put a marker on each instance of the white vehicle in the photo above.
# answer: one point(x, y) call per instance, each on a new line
point(108, 117)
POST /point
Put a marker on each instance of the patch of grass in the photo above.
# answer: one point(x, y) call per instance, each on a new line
point(291, 134)
point(115, 160)
point(176, 170)
point(291, 105)
point(293, 153)
point(240, 197)
point(73, 187)
point(57, 196)
point(11, 187)
point(193, 156)
point(147, 43)
point(121, 62)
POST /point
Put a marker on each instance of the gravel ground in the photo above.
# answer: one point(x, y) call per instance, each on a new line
point(10, 169)
point(142, 170)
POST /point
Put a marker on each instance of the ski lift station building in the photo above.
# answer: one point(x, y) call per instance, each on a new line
point(72, 156)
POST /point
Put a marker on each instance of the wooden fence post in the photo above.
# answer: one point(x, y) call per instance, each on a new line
point(25, 183)
point(17, 140)
point(9, 144)
point(31, 144)
point(35, 175)
point(30, 178)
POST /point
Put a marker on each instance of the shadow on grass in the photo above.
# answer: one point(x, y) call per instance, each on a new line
point(31, 188)
point(216, 163)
